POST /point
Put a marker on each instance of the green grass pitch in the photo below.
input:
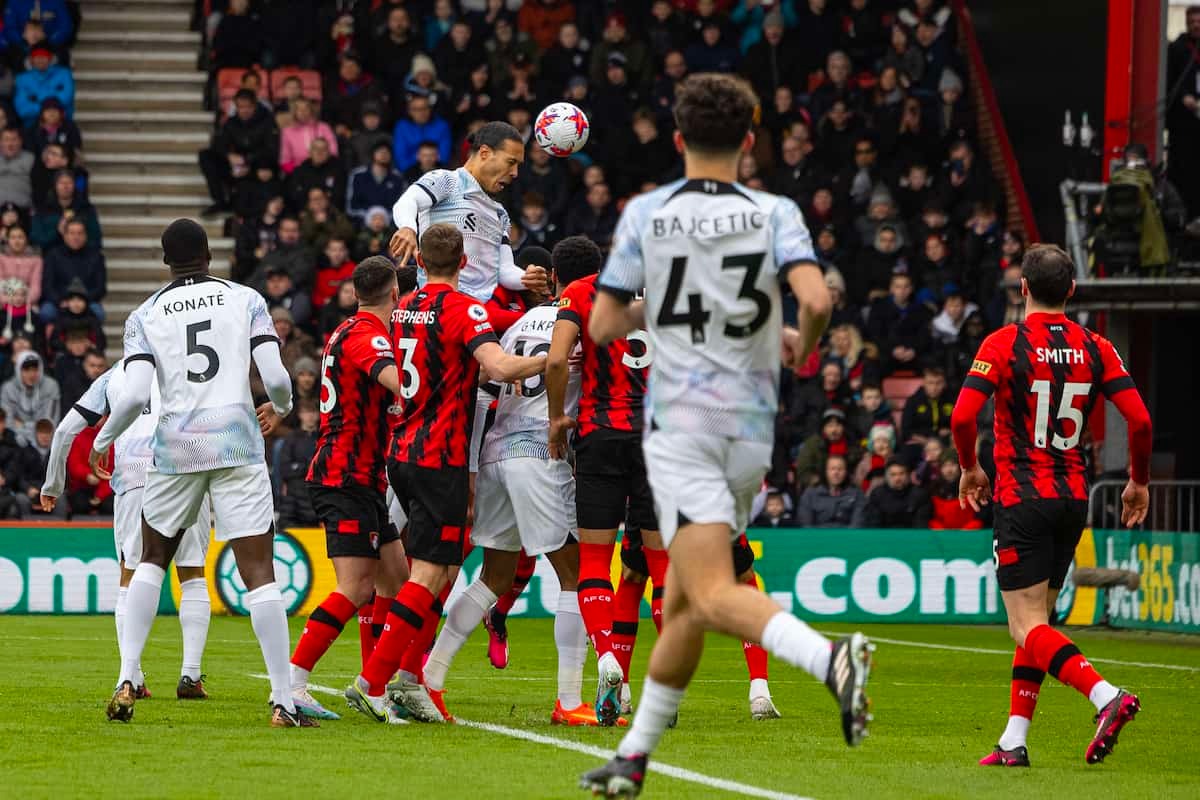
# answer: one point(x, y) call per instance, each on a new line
point(936, 712)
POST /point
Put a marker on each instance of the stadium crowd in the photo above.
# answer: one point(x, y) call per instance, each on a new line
point(326, 110)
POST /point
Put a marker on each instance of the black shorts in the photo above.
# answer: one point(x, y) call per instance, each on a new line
point(356, 519)
point(435, 501)
point(610, 482)
point(1034, 541)
point(634, 558)
point(743, 556)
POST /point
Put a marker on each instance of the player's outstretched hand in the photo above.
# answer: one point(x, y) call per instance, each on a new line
point(268, 419)
point(47, 502)
point(403, 246)
point(96, 462)
point(536, 280)
point(558, 435)
point(1135, 502)
point(974, 489)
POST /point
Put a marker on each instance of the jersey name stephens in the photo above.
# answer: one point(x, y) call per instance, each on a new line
point(739, 222)
point(193, 303)
point(408, 316)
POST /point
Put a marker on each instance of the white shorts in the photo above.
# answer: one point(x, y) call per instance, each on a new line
point(703, 479)
point(127, 533)
point(525, 502)
point(241, 497)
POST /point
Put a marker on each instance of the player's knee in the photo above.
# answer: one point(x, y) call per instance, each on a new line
point(189, 573)
point(1018, 629)
point(358, 589)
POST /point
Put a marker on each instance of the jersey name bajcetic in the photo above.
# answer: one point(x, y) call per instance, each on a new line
point(710, 256)
point(199, 333)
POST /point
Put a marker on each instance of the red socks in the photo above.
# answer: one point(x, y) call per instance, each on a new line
point(408, 614)
point(657, 561)
point(756, 657)
point(626, 607)
point(596, 593)
point(323, 626)
point(366, 629)
point(525, 568)
point(1026, 683)
point(1058, 655)
point(414, 656)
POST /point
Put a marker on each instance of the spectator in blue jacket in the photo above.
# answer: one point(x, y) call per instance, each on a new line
point(420, 126)
point(376, 184)
point(53, 15)
point(749, 15)
point(40, 82)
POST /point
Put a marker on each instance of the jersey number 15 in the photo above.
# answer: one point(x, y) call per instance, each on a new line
point(1066, 411)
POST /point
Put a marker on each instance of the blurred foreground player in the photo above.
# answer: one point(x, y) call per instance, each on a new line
point(1046, 374)
point(711, 254)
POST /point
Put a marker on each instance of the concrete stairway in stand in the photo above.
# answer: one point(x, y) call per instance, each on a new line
point(139, 104)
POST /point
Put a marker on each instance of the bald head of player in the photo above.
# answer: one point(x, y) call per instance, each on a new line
point(441, 254)
point(714, 114)
point(497, 152)
point(1047, 279)
point(185, 248)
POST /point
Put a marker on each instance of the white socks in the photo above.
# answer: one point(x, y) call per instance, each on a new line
point(269, 619)
point(570, 638)
point(1014, 735)
point(657, 706)
point(462, 617)
point(1102, 694)
point(790, 640)
point(759, 688)
point(195, 610)
point(119, 616)
point(299, 678)
point(141, 605)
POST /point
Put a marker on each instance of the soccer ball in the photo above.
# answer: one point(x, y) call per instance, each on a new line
point(561, 129)
point(293, 576)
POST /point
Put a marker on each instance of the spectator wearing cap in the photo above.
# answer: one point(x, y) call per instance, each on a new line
point(420, 125)
point(321, 170)
point(21, 321)
point(616, 40)
point(833, 256)
point(881, 448)
point(455, 55)
point(881, 210)
point(541, 20)
point(376, 234)
point(877, 265)
point(77, 260)
point(291, 255)
point(899, 325)
point(835, 502)
point(295, 140)
point(294, 344)
point(423, 81)
point(809, 403)
point(78, 312)
point(377, 184)
point(238, 41)
point(53, 15)
point(775, 513)
point(30, 395)
point(16, 170)
point(62, 206)
point(711, 53)
point(345, 93)
point(288, 303)
point(53, 127)
point(391, 51)
point(954, 117)
point(570, 56)
point(831, 439)
point(897, 503)
point(247, 137)
point(41, 81)
point(369, 134)
point(19, 261)
point(946, 513)
point(771, 61)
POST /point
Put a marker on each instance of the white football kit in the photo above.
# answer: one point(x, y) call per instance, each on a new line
point(522, 496)
point(132, 455)
point(710, 256)
point(199, 334)
point(454, 197)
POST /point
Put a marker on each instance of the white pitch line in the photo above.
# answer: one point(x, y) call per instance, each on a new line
point(991, 651)
point(678, 773)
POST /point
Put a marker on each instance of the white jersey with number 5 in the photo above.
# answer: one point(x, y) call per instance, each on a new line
point(711, 256)
point(199, 332)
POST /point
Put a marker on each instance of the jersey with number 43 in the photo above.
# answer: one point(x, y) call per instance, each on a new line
point(198, 333)
point(711, 256)
point(436, 331)
point(1046, 373)
point(354, 406)
point(132, 451)
point(521, 428)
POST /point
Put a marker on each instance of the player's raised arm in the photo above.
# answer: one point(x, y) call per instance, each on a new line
point(429, 190)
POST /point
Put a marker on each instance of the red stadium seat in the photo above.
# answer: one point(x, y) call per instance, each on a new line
point(229, 80)
point(310, 82)
point(897, 390)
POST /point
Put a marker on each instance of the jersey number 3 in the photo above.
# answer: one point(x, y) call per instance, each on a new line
point(696, 316)
point(1066, 411)
point(412, 379)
